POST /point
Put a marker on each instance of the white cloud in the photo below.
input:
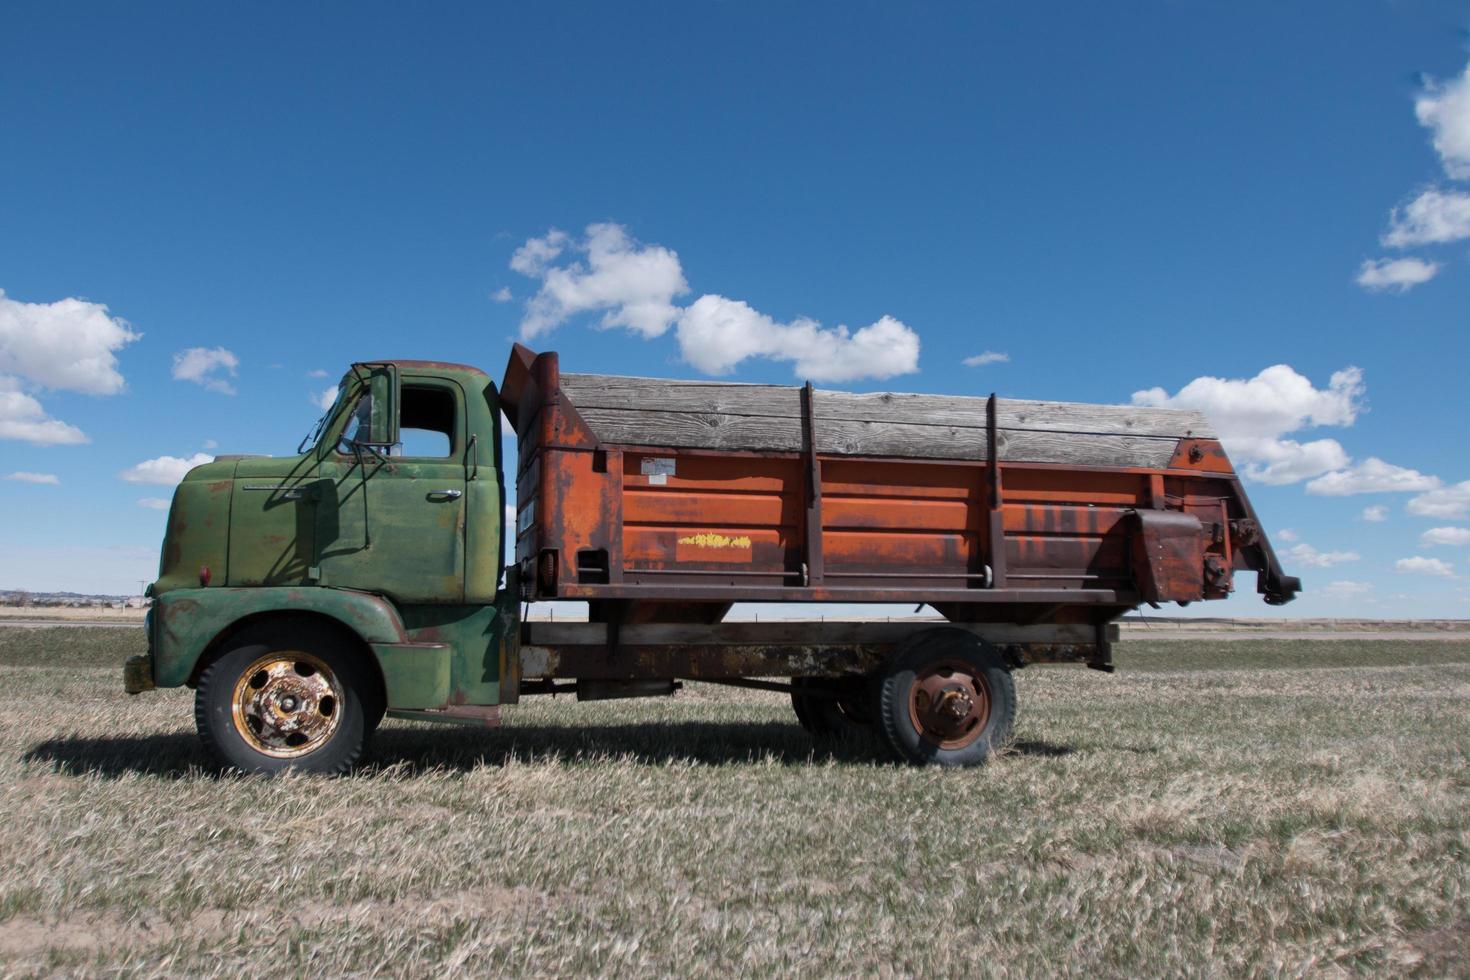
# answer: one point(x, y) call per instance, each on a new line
point(1445, 502)
point(206, 367)
point(316, 373)
point(1455, 537)
point(1305, 554)
point(1399, 274)
point(1253, 415)
point(532, 258)
point(1444, 109)
point(1434, 217)
point(1345, 590)
point(154, 503)
point(716, 334)
point(502, 295)
point(1376, 514)
point(1372, 475)
point(1287, 534)
point(166, 471)
point(987, 357)
point(325, 398)
point(23, 418)
point(67, 345)
point(47, 479)
point(632, 284)
point(210, 444)
point(1424, 566)
point(1281, 461)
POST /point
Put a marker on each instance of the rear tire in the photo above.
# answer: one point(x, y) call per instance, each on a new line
point(947, 699)
point(286, 696)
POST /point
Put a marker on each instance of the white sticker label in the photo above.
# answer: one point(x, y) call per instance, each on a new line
point(526, 518)
point(658, 470)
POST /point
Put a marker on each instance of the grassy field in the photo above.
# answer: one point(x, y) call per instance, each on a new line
point(1226, 808)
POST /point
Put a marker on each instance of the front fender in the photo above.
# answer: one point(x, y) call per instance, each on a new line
point(186, 622)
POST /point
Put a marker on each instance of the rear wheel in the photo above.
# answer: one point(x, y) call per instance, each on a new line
point(947, 699)
point(285, 697)
point(832, 708)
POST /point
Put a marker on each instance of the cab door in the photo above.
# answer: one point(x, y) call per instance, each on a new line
point(396, 525)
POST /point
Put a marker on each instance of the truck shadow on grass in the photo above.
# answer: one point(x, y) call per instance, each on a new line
point(179, 755)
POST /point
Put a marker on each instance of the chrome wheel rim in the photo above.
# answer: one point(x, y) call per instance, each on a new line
point(287, 704)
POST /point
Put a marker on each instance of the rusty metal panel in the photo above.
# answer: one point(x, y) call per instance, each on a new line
point(912, 519)
point(697, 522)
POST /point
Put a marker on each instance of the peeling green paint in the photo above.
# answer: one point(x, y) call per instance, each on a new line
point(187, 621)
point(416, 675)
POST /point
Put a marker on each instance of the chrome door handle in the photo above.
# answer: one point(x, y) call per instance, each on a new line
point(445, 494)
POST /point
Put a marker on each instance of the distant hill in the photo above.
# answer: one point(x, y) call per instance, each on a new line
point(25, 597)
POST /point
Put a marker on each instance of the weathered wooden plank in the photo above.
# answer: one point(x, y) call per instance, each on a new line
point(843, 437)
point(693, 430)
point(716, 397)
point(780, 401)
point(1012, 413)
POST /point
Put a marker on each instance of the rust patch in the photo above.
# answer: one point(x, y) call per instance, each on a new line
point(1200, 455)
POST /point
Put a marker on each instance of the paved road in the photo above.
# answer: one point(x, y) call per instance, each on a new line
point(36, 624)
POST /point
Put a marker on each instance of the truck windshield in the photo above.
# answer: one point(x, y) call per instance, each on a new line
point(321, 423)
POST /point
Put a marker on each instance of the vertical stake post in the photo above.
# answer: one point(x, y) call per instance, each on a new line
point(997, 516)
point(814, 570)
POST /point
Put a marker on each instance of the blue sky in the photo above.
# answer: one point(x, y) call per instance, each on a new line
point(1117, 198)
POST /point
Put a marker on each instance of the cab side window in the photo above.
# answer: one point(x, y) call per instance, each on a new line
point(426, 422)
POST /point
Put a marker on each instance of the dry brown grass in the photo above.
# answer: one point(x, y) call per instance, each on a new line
point(1221, 809)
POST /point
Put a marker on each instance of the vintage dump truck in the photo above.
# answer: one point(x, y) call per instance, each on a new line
point(305, 597)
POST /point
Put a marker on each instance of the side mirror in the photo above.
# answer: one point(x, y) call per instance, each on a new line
point(383, 381)
point(381, 429)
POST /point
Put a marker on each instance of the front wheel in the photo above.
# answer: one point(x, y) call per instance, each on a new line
point(947, 699)
point(284, 696)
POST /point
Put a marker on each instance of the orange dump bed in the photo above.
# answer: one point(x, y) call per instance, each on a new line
point(661, 500)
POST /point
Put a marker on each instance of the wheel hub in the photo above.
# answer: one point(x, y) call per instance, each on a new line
point(286, 704)
point(949, 704)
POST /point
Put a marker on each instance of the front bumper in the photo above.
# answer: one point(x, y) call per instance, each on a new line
point(138, 670)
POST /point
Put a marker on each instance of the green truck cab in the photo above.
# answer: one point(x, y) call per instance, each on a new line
point(304, 597)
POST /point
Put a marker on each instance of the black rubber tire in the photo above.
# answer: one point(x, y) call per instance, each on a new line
point(215, 691)
point(896, 684)
point(825, 717)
